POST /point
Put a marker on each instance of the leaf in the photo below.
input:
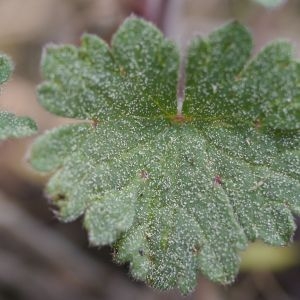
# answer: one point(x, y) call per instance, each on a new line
point(13, 127)
point(10, 125)
point(270, 3)
point(6, 67)
point(174, 193)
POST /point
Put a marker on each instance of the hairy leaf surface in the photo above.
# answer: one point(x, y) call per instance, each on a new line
point(10, 125)
point(175, 193)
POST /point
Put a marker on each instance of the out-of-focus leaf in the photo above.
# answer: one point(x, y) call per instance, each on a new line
point(10, 125)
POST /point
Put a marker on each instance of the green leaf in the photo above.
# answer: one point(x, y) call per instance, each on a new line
point(130, 78)
point(220, 86)
point(175, 193)
point(6, 68)
point(13, 127)
point(10, 125)
point(270, 3)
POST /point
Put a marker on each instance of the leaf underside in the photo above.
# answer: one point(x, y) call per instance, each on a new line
point(10, 125)
point(175, 194)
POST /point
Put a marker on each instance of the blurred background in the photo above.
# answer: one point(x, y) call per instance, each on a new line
point(41, 258)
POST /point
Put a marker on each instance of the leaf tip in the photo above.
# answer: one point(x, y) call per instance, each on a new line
point(6, 67)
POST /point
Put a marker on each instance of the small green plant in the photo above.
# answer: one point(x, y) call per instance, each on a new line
point(175, 189)
point(10, 125)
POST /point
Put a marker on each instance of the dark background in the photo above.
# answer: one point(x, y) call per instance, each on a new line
point(41, 258)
